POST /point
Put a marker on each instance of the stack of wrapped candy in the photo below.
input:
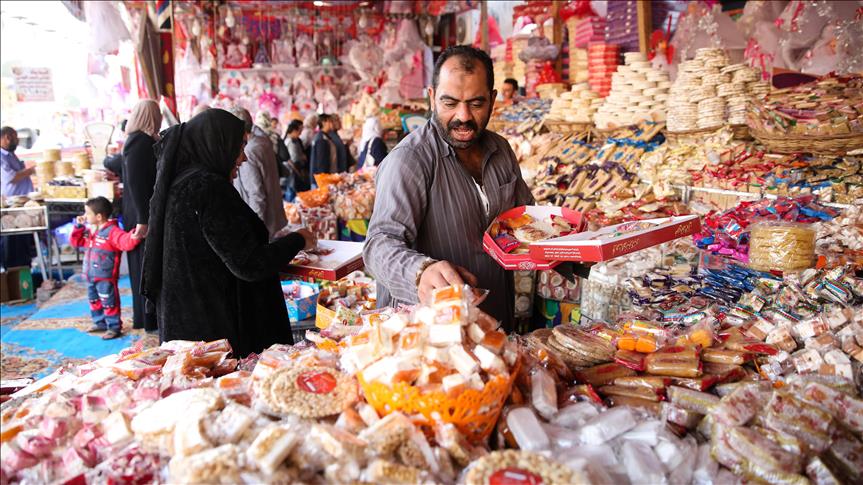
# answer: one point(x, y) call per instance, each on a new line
point(841, 240)
point(708, 93)
point(681, 163)
point(575, 106)
point(602, 60)
point(589, 30)
point(621, 26)
point(828, 107)
point(577, 54)
point(726, 233)
point(638, 93)
point(578, 175)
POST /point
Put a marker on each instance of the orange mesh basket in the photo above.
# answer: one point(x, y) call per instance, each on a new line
point(325, 179)
point(473, 412)
point(315, 197)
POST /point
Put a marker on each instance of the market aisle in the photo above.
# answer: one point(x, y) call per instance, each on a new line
point(37, 341)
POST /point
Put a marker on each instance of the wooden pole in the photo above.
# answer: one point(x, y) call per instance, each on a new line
point(645, 25)
point(557, 36)
point(483, 24)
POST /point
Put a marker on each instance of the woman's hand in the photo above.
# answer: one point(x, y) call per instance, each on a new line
point(309, 237)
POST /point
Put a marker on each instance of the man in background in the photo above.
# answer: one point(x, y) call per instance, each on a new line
point(509, 91)
point(324, 153)
point(258, 179)
point(298, 181)
point(14, 180)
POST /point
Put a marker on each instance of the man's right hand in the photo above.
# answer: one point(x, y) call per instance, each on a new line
point(440, 275)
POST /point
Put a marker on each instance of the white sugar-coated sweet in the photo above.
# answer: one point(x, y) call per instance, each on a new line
point(527, 430)
point(669, 453)
point(543, 393)
point(445, 334)
point(706, 467)
point(641, 463)
point(646, 432)
point(608, 425)
point(560, 437)
point(575, 415)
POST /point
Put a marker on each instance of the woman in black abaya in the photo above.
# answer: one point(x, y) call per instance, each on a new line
point(208, 265)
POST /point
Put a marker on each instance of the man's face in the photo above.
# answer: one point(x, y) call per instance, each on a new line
point(461, 103)
point(507, 91)
point(10, 142)
point(328, 126)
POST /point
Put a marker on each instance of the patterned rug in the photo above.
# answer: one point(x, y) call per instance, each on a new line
point(36, 341)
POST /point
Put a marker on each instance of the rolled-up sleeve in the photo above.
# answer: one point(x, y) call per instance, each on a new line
point(400, 203)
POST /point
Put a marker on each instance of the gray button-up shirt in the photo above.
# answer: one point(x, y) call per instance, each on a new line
point(428, 206)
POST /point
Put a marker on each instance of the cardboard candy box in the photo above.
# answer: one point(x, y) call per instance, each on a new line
point(617, 240)
point(592, 246)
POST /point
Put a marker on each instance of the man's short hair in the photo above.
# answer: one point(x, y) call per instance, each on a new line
point(295, 125)
point(244, 115)
point(469, 56)
point(512, 82)
point(100, 205)
point(323, 119)
point(7, 131)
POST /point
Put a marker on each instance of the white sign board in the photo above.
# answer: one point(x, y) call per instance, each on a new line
point(33, 84)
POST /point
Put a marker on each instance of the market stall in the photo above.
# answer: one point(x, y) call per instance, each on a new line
point(718, 337)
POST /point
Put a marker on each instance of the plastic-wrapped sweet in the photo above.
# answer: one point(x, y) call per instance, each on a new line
point(608, 425)
point(526, 430)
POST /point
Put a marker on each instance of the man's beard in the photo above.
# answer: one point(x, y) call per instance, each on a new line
point(454, 124)
point(12, 147)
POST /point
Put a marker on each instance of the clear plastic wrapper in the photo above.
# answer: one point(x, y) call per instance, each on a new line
point(646, 432)
point(543, 392)
point(725, 356)
point(751, 455)
point(653, 382)
point(641, 463)
point(799, 419)
point(706, 468)
point(741, 405)
point(575, 415)
point(526, 429)
point(690, 400)
point(652, 408)
point(631, 391)
point(781, 246)
point(676, 361)
point(680, 416)
point(603, 374)
point(630, 359)
point(608, 425)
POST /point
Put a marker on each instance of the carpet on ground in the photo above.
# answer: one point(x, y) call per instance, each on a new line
point(35, 341)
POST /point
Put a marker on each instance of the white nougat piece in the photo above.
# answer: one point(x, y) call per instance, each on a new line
point(646, 432)
point(394, 325)
point(475, 382)
point(608, 425)
point(475, 333)
point(452, 381)
point(436, 354)
point(358, 357)
point(543, 394)
point(116, 428)
point(706, 467)
point(575, 415)
point(641, 463)
point(488, 361)
point(338, 443)
point(424, 315)
point(669, 453)
point(462, 361)
point(233, 422)
point(445, 334)
point(271, 447)
point(368, 414)
point(189, 437)
point(527, 430)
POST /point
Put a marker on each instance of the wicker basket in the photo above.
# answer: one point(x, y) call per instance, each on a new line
point(836, 145)
point(740, 132)
point(684, 136)
point(567, 126)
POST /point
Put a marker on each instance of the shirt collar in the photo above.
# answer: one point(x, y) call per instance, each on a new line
point(4, 151)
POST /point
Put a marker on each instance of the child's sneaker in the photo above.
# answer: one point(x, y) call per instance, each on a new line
point(111, 334)
point(96, 329)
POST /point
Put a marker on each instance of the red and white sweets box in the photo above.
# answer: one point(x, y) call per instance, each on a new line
point(524, 262)
point(346, 258)
point(617, 240)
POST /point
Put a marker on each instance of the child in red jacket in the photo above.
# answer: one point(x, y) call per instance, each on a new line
point(105, 242)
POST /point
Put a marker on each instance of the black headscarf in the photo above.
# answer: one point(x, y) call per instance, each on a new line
point(209, 142)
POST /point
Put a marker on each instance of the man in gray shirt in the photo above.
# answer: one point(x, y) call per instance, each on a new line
point(258, 179)
point(439, 190)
